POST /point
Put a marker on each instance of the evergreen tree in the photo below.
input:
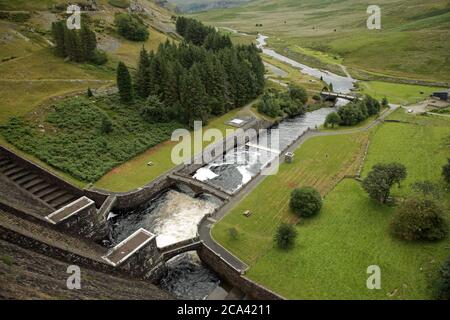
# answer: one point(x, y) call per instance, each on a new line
point(142, 79)
point(124, 83)
point(58, 38)
point(88, 43)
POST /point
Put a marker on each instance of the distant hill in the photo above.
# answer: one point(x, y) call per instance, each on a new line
point(413, 42)
point(190, 6)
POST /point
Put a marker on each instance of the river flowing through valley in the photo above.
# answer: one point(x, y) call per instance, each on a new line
point(173, 216)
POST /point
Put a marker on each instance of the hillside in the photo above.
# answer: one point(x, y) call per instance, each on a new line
point(203, 5)
point(28, 66)
point(413, 42)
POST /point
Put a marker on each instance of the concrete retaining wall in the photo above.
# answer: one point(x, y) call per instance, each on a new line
point(232, 276)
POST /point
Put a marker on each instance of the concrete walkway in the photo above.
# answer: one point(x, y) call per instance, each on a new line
point(204, 229)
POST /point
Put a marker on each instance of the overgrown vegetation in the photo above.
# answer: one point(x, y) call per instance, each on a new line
point(356, 112)
point(76, 137)
point(131, 27)
point(290, 103)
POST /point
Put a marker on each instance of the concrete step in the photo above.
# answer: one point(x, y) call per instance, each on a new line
point(61, 201)
point(39, 187)
point(52, 196)
point(19, 175)
point(26, 178)
point(4, 162)
point(13, 171)
point(46, 191)
point(32, 183)
point(8, 167)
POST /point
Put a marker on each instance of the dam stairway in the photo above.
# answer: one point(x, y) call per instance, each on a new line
point(37, 186)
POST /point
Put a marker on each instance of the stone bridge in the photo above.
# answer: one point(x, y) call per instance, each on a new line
point(334, 95)
point(172, 251)
point(200, 187)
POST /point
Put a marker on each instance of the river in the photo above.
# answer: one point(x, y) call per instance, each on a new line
point(173, 216)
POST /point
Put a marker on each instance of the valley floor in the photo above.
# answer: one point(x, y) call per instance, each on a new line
point(334, 249)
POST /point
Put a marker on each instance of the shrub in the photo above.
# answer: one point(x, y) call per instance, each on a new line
point(298, 93)
point(107, 126)
point(446, 171)
point(285, 236)
point(131, 27)
point(306, 201)
point(8, 260)
point(427, 188)
point(154, 111)
point(443, 281)
point(98, 57)
point(332, 119)
point(233, 233)
point(419, 219)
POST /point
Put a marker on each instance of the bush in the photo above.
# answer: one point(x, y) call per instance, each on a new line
point(419, 219)
point(443, 281)
point(233, 233)
point(107, 126)
point(305, 202)
point(446, 171)
point(131, 27)
point(298, 93)
point(154, 111)
point(285, 236)
point(98, 57)
point(332, 119)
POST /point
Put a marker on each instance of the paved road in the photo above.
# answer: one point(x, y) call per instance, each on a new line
point(204, 230)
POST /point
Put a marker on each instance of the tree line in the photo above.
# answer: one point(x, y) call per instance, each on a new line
point(355, 112)
point(78, 45)
point(193, 80)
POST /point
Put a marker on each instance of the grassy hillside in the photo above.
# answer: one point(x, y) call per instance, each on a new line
point(33, 78)
point(413, 41)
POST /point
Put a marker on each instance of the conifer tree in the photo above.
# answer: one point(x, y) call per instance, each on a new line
point(58, 38)
point(142, 80)
point(124, 83)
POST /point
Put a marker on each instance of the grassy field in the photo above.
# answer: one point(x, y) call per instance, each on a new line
point(334, 249)
point(320, 162)
point(135, 172)
point(410, 44)
point(396, 92)
point(422, 145)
